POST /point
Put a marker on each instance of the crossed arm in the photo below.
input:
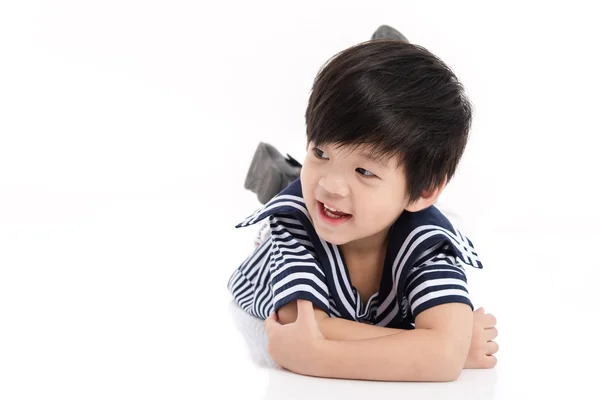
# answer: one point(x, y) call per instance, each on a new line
point(305, 340)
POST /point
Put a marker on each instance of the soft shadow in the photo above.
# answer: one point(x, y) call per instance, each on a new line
point(253, 331)
point(472, 384)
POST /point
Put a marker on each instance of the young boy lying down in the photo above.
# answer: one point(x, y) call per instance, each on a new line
point(360, 275)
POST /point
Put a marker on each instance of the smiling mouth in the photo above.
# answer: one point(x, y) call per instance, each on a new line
point(331, 216)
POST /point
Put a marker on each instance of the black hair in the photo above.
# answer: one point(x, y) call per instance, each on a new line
point(398, 100)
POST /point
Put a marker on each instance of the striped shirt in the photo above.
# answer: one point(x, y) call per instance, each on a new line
point(424, 266)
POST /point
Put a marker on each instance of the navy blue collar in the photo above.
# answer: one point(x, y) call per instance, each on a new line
point(291, 202)
point(288, 202)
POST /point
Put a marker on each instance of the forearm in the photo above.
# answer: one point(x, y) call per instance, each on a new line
point(336, 328)
point(415, 355)
point(343, 329)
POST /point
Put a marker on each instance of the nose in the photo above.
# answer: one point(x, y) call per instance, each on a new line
point(334, 184)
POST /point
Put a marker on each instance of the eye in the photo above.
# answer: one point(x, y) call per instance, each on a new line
point(320, 154)
point(365, 173)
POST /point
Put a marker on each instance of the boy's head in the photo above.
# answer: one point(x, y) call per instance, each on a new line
point(387, 124)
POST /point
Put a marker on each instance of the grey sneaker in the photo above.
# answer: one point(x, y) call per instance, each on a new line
point(270, 172)
point(387, 32)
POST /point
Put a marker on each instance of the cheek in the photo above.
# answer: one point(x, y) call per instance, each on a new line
point(378, 209)
point(307, 180)
point(304, 177)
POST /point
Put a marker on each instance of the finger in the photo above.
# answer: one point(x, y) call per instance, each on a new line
point(490, 362)
point(491, 348)
point(480, 310)
point(489, 321)
point(271, 323)
point(305, 309)
point(490, 334)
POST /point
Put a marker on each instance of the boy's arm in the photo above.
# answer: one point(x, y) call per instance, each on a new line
point(435, 351)
point(336, 328)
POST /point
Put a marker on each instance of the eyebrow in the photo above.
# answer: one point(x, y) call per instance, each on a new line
point(371, 157)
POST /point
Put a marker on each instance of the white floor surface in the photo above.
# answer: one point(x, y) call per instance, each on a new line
point(126, 128)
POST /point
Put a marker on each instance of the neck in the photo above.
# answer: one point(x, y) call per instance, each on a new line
point(375, 244)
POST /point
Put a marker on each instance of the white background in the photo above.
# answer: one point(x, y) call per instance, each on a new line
point(126, 130)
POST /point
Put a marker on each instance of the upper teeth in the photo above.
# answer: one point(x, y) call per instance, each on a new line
point(331, 208)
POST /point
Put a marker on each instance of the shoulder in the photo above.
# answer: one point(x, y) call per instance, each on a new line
point(287, 219)
point(288, 204)
point(416, 235)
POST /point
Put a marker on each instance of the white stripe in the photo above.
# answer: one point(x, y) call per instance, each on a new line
point(233, 281)
point(270, 203)
point(281, 235)
point(257, 266)
point(412, 279)
point(241, 286)
point(430, 250)
point(286, 235)
point(439, 261)
point(336, 282)
point(290, 245)
point(340, 267)
point(265, 292)
point(436, 295)
point(291, 230)
point(405, 255)
point(278, 204)
point(291, 250)
point(442, 259)
point(370, 303)
point(335, 312)
point(389, 317)
point(446, 261)
point(463, 245)
point(257, 255)
point(470, 256)
point(300, 275)
point(300, 288)
point(244, 298)
point(307, 244)
point(278, 269)
point(290, 221)
point(285, 257)
point(294, 241)
point(435, 282)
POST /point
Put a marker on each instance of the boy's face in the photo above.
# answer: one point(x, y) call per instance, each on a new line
point(371, 194)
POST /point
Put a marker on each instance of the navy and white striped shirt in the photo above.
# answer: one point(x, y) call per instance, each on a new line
point(424, 266)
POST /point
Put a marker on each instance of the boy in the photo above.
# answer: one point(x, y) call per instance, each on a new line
point(361, 276)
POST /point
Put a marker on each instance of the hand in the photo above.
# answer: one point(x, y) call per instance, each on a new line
point(296, 346)
point(482, 343)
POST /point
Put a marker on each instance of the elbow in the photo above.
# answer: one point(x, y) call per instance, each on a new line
point(455, 362)
point(450, 374)
point(449, 364)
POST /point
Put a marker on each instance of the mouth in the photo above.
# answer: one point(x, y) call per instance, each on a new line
point(332, 217)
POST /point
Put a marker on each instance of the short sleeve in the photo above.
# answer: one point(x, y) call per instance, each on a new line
point(440, 279)
point(295, 272)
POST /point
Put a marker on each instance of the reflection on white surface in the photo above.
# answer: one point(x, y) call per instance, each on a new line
point(253, 332)
point(126, 131)
point(472, 384)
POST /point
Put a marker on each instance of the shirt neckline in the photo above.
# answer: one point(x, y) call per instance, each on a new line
point(364, 310)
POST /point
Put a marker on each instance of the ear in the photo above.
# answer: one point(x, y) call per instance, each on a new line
point(428, 197)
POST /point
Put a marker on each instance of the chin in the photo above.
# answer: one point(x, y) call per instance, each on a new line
point(331, 237)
